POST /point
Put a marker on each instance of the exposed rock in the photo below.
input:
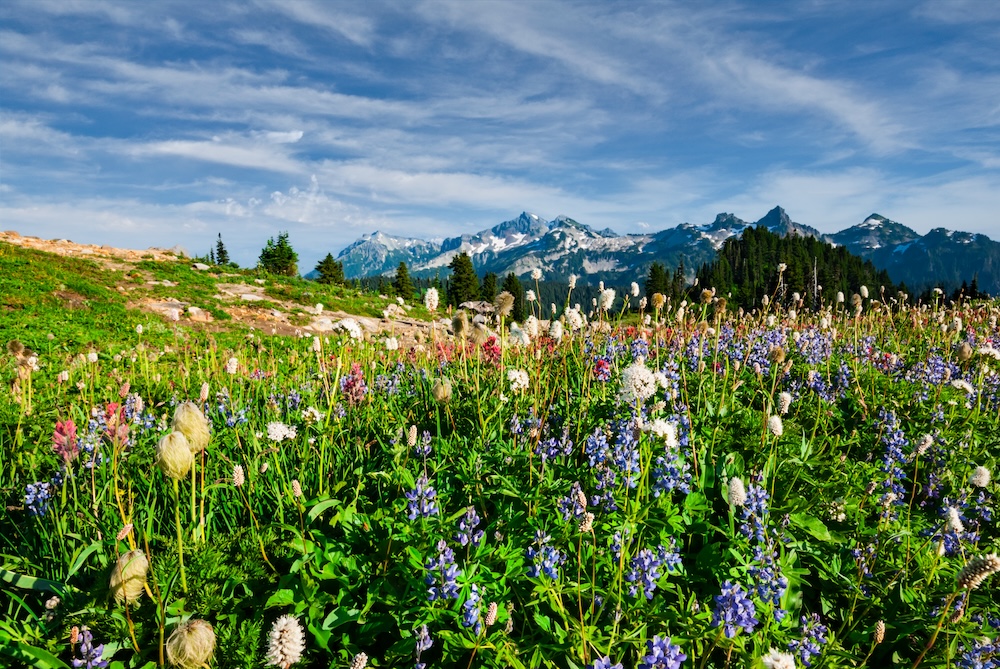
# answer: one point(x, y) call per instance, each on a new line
point(200, 266)
point(199, 315)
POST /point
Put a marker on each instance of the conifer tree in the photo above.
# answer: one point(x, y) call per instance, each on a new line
point(330, 271)
point(488, 291)
point(657, 280)
point(402, 284)
point(221, 254)
point(278, 257)
point(464, 283)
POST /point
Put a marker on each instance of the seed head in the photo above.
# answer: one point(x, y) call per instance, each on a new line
point(659, 300)
point(980, 477)
point(191, 645)
point(587, 524)
point(879, 635)
point(239, 478)
point(174, 456)
point(360, 661)
point(504, 304)
point(442, 390)
point(460, 324)
point(128, 578)
point(784, 403)
point(189, 420)
point(411, 436)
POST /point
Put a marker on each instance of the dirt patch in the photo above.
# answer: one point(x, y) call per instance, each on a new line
point(71, 299)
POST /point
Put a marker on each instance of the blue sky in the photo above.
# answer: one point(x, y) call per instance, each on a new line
point(163, 123)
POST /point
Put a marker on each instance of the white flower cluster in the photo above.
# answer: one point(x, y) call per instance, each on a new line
point(519, 380)
point(531, 326)
point(391, 344)
point(311, 416)
point(638, 383)
point(278, 431)
point(519, 336)
point(607, 299)
point(351, 327)
point(575, 319)
point(431, 299)
point(232, 366)
point(666, 430)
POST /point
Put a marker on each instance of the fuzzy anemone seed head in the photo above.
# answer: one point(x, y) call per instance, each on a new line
point(659, 299)
point(191, 422)
point(285, 642)
point(460, 324)
point(191, 645)
point(128, 578)
point(442, 390)
point(174, 455)
point(504, 304)
point(980, 477)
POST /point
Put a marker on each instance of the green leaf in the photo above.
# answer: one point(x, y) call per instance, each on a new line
point(321, 507)
point(78, 562)
point(815, 527)
point(340, 616)
point(33, 657)
point(283, 597)
point(30, 582)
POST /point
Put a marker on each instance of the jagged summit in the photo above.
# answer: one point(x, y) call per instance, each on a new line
point(565, 246)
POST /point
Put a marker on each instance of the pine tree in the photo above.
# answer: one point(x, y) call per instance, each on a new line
point(488, 291)
point(464, 283)
point(221, 254)
point(278, 257)
point(402, 284)
point(657, 281)
point(330, 271)
point(513, 286)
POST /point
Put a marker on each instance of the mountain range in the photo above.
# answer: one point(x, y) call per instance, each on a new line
point(564, 246)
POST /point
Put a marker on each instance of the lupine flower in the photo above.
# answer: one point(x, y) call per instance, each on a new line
point(37, 497)
point(423, 642)
point(442, 574)
point(467, 532)
point(286, 642)
point(813, 639)
point(645, 569)
point(604, 663)
point(472, 615)
point(90, 655)
point(545, 559)
point(734, 611)
point(422, 500)
point(662, 654)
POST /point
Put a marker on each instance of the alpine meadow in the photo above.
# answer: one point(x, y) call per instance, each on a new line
point(281, 472)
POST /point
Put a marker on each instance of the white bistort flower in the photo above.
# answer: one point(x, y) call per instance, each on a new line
point(634, 289)
point(278, 431)
point(556, 330)
point(351, 327)
point(737, 492)
point(784, 403)
point(774, 426)
point(607, 299)
point(519, 380)
point(285, 642)
point(536, 274)
point(775, 659)
point(531, 327)
point(391, 344)
point(575, 319)
point(530, 296)
point(518, 336)
point(431, 299)
point(232, 366)
point(666, 430)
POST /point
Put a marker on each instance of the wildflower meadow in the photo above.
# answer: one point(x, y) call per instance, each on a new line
point(682, 485)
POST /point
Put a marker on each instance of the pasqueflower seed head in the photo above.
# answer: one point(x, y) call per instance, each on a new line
point(128, 578)
point(191, 645)
point(174, 456)
point(191, 422)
